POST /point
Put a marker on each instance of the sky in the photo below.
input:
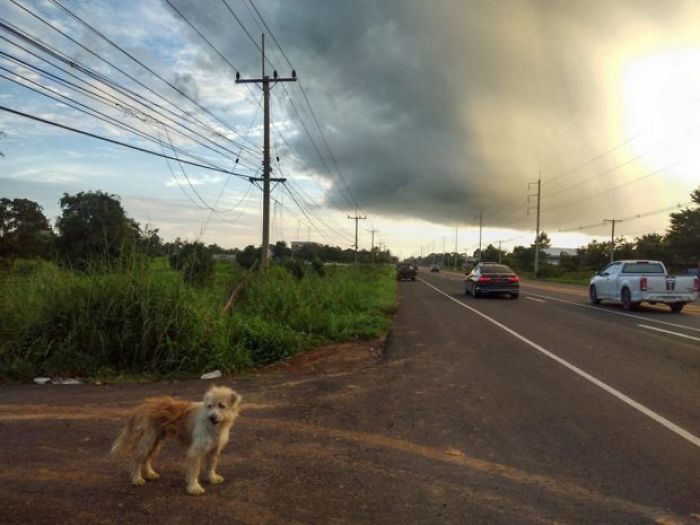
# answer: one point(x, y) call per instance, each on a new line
point(421, 116)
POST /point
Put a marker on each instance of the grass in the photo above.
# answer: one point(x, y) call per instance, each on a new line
point(149, 322)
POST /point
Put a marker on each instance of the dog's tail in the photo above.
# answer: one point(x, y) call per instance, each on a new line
point(124, 444)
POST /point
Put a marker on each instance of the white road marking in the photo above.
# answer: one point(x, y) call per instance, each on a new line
point(669, 332)
point(610, 390)
point(605, 310)
point(534, 299)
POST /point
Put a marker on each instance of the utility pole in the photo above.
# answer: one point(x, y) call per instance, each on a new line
point(267, 83)
point(481, 223)
point(373, 231)
point(612, 237)
point(529, 208)
point(443, 262)
point(356, 218)
point(499, 252)
point(455, 269)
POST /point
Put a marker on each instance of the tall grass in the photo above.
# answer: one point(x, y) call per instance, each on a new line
point(148, 320)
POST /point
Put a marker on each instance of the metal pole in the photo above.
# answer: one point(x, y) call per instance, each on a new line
point(612, 237)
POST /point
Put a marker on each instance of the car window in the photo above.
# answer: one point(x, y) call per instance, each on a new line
point(495, 268)
point(643, 267)
point(610, 266)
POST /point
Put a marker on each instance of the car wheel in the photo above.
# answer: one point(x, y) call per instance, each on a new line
point(413, 278)
point(676, 307)
point(626, 297)
point(475, 291)
point(593, 294)
point(514, 295)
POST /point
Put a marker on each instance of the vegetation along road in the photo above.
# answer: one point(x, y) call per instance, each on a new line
point(536, 410)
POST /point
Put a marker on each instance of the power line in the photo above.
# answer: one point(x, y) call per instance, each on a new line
point(97, 76)
point(146, 67)
point(112, 141)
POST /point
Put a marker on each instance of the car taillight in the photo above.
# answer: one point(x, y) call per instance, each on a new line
point(643, 284)
point(513, 278)
point(696, 284)
point(484, 279)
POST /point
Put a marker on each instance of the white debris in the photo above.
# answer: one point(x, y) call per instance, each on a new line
point(211, 375)
point(67, 381)
point(42, 380)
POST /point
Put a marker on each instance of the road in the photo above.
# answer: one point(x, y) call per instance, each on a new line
point(536, 410)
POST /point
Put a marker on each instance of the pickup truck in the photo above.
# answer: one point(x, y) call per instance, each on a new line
point(633, 282)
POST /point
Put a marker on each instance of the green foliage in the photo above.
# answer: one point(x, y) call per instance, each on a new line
point(318, 267)
point(149, 321)
point(24, 230)
point(683, 236)
point(249, 256)
point(195, 261)
point(94, 229)
point(294, 266)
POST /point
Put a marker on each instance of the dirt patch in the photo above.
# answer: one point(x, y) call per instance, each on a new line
point(336, 358)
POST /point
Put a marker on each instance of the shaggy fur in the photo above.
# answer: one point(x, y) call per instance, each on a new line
point(203, 428)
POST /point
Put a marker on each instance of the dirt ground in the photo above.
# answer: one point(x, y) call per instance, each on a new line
point(55, 442)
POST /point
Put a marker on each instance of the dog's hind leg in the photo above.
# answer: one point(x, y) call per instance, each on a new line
point(147, 470)
point(140, 457)
point(194, 465)
point(213, 461)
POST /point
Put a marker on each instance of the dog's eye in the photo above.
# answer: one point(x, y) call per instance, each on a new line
point(221, 405)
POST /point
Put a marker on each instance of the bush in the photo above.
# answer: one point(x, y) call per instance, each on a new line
point(54, 322)
point(195, 261)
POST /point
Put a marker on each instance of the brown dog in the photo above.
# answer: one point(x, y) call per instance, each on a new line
point(201, 427)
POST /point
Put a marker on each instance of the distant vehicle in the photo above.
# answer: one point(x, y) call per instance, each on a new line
point(434, 267)
point(492, 278)
point(633, 282)
point(405, 271)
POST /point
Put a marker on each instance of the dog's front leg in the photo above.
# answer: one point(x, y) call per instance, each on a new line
point(194, 464)
point(213, 459)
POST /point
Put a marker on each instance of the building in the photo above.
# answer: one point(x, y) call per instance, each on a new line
point(297, 245)
point(554, 254)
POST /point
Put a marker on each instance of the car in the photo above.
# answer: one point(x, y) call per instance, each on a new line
point(434, 267)
point(492, 278)
point(632, 282)
point(405, 271)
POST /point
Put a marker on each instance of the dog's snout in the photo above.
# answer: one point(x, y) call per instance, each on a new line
point(213, 419)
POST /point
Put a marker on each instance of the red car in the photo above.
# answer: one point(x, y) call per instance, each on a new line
point(492, 278)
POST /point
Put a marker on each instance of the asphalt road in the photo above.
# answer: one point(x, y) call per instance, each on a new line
point(536, 410)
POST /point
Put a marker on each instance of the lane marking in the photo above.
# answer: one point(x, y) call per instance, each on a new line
point(535, 299)
point(688, 436)
point(604, 310)
point(669, 332)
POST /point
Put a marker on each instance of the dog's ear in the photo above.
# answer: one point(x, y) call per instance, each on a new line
point(234, 398)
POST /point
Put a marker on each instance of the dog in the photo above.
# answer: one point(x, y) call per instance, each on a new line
point(202, 427)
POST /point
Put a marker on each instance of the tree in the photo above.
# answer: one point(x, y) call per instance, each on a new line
point(683, 236)
point(195, 261)
point(94, 228)
point(594, 256)
point(24, 230)
point(650, 246)
point(248, 256)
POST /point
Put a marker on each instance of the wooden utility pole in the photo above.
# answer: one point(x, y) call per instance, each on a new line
point(266, 83)
point(356, 218)
point(612, 237)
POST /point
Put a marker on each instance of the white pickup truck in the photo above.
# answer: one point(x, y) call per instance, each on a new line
point(633, 282)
